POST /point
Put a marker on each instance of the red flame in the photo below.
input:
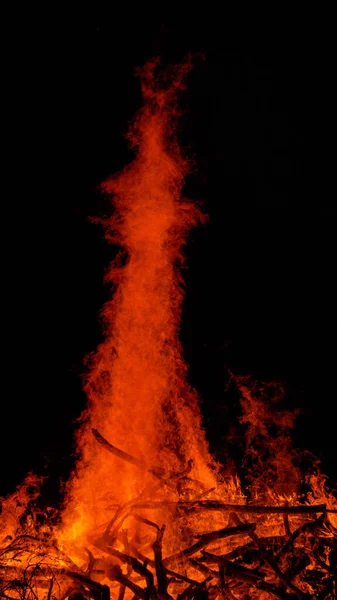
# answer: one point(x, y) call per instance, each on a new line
point(138, 395)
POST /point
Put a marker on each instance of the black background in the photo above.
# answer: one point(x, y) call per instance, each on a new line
point(259, 122)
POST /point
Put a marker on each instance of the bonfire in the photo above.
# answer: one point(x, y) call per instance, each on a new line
point(148, 513)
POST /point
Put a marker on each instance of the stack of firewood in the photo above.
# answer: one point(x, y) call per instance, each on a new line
point(300, 562)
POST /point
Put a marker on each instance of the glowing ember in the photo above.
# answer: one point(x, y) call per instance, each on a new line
point(146, 513)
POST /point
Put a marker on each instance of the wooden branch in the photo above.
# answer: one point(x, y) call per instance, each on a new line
point(91, 562)
point(250, 575)
point(158, 560)
point(286, 524)
point(167, 477)
point(276, 591)
point(306, 527)
point(119, 524)
point(188, 580)
point(113, 521)
point(140, 556)
point(210, 505)
point(198, 592)
point(203, 494)
point(156, 471)
point(169, 572)
point(206, 539)
point(201, 567)
point(146, 521)
point(121, 592)
point(270, 560)
point(115, 574)
point(136, 565)
point(103, 590)
point(126, 549)
point(244, 508)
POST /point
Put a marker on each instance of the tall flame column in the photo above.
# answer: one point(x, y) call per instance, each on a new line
point(138, 396)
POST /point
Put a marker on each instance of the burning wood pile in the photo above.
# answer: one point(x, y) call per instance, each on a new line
point(128, 527)
point(263, 552)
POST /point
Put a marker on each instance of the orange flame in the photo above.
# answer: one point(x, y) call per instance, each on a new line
point(137, 390)
point(142, 410)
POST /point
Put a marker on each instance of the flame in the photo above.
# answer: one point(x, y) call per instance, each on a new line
point(143, 455)
point(138, 396)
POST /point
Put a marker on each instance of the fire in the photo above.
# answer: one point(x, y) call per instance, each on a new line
point(148, 512)
point(138, 395)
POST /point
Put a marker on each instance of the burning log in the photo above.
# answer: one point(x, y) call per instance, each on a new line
point(298, 563)
point(286, 566)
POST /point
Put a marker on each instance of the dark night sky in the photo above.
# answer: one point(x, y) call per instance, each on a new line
point(259, 121)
